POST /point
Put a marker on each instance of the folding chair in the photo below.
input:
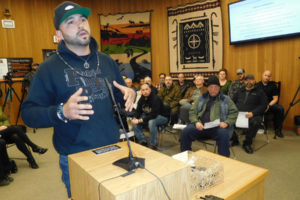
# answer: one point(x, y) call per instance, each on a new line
point(269, 116)
point(265, 133)
point(129, 135)
point(213, 143)
point(166, 128)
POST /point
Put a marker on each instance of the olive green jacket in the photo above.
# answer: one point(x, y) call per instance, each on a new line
point(3, 119)
point(170, 96)
point(229, 109)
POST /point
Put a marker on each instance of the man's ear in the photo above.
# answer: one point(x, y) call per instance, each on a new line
point(59, 35)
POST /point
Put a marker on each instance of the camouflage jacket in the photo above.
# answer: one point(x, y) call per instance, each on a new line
point(235, 87)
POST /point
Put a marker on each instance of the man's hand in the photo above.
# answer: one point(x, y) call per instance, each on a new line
point(267, 108)
point(3, 128)
point(249, 115)
point(199, 126)
point(223, 125)
point(129, 95)
point(72, 110)
point(134, 121)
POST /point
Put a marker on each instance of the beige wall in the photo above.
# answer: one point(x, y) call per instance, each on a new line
point(34, 32)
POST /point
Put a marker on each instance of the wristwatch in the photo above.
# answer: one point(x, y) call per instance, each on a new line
point(60, 114)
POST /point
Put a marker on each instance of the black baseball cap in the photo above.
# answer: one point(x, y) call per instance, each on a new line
point(249, 76)
point(213, 80)
point(66, 9)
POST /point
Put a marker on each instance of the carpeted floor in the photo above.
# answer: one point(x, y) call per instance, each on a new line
point(280, 156)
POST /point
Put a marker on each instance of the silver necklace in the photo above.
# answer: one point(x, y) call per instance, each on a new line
point(86, 65)
point(88, 75)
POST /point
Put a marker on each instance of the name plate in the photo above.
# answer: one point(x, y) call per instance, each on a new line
point(106, 149)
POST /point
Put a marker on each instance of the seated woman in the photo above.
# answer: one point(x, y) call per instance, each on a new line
point(6, 165)
point(224, 83)
point(15, 134)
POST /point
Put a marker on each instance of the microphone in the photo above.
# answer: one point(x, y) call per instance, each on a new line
point(128, 163)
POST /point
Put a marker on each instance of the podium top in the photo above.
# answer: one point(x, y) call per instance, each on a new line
point(101, 169)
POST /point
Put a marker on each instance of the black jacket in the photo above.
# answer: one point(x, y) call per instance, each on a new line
point(256, 102)
point(149, 108)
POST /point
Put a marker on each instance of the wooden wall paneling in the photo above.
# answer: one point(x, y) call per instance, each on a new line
point(34, 32)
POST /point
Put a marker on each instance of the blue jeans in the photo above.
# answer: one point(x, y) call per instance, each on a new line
point(64, 166)
point(221, 135)
point(152, 125)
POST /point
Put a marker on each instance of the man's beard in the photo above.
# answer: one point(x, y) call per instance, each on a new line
point(249, 85)
point(77, 42)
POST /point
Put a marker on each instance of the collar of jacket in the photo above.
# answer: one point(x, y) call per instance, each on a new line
point(170, 88)
point(149, 97)
point(253, 89)
point(220, 96)
point(63, 49)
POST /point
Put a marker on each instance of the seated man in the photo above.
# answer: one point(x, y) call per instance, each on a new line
point(29, 76)
point(253, 100)
point(171, 96)
point(148, 80)
point(161, 83)
point(192, 94)
point(129, 84)
point(182, 84)
point(149, 113)
point(237, 84)
point(272, 93)
point(211, 106)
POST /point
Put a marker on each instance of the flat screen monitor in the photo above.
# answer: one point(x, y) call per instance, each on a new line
point(253, 20)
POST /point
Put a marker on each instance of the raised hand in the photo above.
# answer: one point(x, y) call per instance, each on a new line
point(72, 110)
point(129, 95)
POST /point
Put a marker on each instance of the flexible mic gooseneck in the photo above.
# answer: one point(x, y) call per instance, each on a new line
point(129, 163)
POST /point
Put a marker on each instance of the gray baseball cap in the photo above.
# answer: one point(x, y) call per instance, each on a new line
point(240, 71)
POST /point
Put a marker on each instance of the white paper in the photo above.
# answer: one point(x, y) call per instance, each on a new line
point(212, 124)
point(242, 121)
point(179, 126)
point(183, 156)
point(3, 67)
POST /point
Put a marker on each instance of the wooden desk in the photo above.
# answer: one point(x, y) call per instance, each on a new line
point(91, 174)
point(241, 180)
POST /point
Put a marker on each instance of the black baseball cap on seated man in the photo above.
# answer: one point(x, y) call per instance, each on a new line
point(213, 80)
point(66, 9)
point(250, 77)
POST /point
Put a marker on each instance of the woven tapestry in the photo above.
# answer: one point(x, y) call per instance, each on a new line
point(196, 38)
point(126, 38)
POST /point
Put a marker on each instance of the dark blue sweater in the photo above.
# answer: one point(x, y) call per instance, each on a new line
point(54, 83)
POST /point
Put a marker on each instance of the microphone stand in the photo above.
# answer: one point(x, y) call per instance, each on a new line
point(292, 103)
point(128, 163)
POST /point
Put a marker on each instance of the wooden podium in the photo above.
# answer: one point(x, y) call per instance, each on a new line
point(94, 177)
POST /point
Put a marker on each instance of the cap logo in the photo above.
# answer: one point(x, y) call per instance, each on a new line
point(69, 7)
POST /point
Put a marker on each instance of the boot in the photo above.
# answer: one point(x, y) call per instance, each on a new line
point(39, 150)
point(4, 182)
point(32, 163)
point(13, 168)
point(278, 133)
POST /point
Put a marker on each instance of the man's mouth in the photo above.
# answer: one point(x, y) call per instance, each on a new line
point(83, 34)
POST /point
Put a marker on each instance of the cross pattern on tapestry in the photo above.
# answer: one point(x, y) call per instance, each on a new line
point(196, 38)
